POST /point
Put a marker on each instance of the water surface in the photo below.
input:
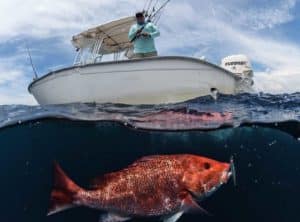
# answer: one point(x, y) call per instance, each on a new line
point(261, 132)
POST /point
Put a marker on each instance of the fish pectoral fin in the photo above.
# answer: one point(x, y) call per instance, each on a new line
point(190, 205)
point(173, 217)
point(112, 217)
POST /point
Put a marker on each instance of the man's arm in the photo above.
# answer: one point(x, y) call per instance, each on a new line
point(154, 31)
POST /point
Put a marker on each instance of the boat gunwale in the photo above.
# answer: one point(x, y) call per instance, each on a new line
point(130, 61)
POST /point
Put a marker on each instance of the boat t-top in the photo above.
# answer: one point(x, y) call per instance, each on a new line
point(156, 80)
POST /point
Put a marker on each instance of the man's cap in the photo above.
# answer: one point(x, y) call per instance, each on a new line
point(139, 14)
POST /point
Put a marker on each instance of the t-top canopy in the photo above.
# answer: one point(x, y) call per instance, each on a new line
point(114, 35)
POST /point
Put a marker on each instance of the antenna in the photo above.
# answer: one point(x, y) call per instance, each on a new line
point(31, 62)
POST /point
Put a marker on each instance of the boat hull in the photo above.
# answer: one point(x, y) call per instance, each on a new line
point(157, 80)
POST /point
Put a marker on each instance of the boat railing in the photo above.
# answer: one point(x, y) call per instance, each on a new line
point(91, 54)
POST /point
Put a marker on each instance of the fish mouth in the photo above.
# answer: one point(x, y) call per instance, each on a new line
point(228, 173)
point(224, 178)
point(213, 189)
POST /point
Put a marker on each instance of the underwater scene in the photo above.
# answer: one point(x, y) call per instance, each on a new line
point(259, 133)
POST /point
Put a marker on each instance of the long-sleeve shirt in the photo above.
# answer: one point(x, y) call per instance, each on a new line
point(144, 44)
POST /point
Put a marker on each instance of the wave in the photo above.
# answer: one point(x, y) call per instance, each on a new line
point(204, 113)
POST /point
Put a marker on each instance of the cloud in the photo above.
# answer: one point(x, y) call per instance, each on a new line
point(212, 29)
point(13, 82)
point(216, 36)
point(259, 14)
point(13, 90)
point(47, 19)
point(11, 97)
point(8, 75)
point(277, 82)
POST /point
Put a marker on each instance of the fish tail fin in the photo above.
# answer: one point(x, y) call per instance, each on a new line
point(63, 192)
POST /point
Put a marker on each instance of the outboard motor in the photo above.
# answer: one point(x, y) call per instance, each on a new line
point(239, 65)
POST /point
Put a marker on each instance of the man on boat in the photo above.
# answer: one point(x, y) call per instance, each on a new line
point(142, 35)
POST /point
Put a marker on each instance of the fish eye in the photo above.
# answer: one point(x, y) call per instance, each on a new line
point(206, 166)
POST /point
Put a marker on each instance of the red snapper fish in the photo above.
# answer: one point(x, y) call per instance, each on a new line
point(166, 186)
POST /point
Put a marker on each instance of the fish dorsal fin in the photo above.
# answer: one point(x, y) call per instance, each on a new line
point(100, 181)
point(147, 159)
point(96, 183)
point(191, 206)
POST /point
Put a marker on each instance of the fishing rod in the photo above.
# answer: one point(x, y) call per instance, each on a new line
point(156, 3)
point(160, 9)
point(145, 6)
point(151, 16)
point(149, 5)
point(157, 18)
point(138, 33)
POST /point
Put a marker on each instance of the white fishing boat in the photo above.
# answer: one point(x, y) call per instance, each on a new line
point(157, 80)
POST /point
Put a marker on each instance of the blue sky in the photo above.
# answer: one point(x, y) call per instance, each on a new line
point(268, 31)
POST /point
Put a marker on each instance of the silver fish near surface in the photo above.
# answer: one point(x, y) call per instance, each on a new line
point(166, 186)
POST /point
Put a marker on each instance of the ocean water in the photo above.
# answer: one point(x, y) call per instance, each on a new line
point(262, 132)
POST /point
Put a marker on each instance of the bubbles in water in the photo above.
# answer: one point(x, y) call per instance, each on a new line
point(273, 143)
point(259, 157)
